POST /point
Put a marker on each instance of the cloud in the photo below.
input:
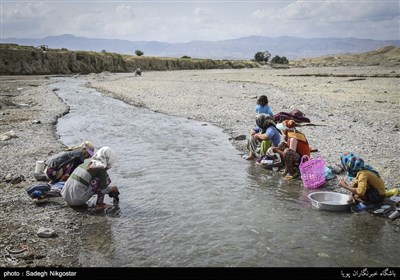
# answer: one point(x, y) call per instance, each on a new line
point(125, 12)
point(25, 11)
point(201, 11)
point(182, 21)
point(333, 11)
point(362, 19)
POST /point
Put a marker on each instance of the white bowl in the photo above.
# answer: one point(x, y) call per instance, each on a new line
point(379, 211)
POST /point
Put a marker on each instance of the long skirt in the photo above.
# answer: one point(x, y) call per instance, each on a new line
point(258, 147)
point(61, 174)
point(292, 161)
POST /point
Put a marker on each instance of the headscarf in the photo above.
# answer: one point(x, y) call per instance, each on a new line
point(286, 125)
point(354, 163)
point(87, 145)
point(103, 158)
point(264, 121)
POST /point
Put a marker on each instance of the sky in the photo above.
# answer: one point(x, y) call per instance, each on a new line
point(185, 21)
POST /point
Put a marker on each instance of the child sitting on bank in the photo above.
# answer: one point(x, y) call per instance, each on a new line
point(262, 106)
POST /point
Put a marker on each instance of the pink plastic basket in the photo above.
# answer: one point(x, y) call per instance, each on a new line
point(312, 171)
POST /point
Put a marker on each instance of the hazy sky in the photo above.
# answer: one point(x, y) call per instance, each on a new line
point(184, 21)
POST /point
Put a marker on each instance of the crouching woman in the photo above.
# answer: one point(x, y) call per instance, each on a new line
point(262, 137)
point(292, 149)
point(367, 186)
point(90, 178)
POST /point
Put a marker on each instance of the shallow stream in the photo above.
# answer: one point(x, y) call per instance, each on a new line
point(189, 200)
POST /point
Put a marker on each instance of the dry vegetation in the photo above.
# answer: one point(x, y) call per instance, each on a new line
point(387, 57)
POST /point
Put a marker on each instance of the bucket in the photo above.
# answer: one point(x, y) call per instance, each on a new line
point(39, 166)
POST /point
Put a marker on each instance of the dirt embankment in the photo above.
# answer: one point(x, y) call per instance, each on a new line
point(33, 61)
point(25, 60)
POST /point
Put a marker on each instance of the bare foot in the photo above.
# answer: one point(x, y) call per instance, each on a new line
point(100, 207)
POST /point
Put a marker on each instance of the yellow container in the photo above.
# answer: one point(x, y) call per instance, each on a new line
point(392, 192)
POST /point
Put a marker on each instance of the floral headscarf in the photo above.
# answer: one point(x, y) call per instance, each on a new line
point(264, 121)
point(354, 163)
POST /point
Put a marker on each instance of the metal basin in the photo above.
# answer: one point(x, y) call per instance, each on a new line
point(330, 201)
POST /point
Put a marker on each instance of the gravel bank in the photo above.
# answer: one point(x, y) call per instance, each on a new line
point(354, 111)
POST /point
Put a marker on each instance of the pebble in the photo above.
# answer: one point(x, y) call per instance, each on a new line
point(45, 232)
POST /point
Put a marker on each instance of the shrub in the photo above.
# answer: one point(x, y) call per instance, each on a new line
point(279, 60)
point(139, 53)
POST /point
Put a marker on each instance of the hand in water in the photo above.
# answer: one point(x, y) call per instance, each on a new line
point(342, 182)
point(100, 207)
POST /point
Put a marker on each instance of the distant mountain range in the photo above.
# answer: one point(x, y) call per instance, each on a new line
point(241, 48)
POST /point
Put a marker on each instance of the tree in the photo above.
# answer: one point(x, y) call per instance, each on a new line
point(279, 60)
point(262, 56)
point(139, 53)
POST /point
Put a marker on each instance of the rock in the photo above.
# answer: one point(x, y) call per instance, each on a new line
point(45, 232)
point(8, 178)
point(8, 135)
point(240, 137)
point(18, 179)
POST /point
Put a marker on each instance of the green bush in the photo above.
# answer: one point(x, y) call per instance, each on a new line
point(262, 56)
point(139, 53)
point(279, 60)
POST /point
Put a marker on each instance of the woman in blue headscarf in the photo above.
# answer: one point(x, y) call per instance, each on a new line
point(367, 185)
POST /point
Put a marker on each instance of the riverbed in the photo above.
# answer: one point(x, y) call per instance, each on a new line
point(189, 199)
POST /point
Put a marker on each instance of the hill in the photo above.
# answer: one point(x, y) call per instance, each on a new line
point(387, 56)
point(239, 48)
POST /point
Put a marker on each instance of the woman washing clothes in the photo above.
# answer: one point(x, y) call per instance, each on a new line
point(61, 165)
point(262, 137)
point(366, 185)
point(292, 149)
point(91, 178)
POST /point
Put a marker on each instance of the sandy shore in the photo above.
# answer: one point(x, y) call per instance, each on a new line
point(353, 113)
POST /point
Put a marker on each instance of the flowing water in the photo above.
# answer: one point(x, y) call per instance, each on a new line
point(189, 200)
